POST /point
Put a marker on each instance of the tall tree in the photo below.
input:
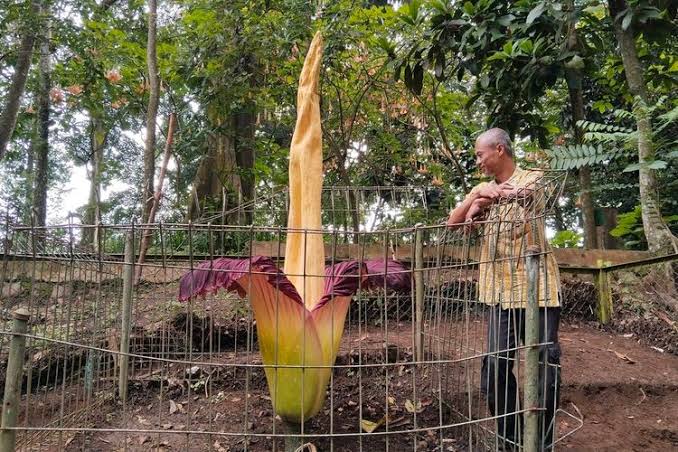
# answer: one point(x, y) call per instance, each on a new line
point(152, 112)
point(574, 77)
point(658, 235)
point(9, 112)
point(97, 144)
point(41, 139)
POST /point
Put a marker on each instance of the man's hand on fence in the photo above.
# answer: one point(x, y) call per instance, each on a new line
point(478, 207)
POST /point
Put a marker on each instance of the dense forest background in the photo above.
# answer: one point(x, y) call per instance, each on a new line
point(175, 110)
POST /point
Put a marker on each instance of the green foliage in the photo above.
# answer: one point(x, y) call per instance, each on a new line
point(405, 89)
point(566, 239)
point(577, 156)
point(630, 228)
point(615, 141)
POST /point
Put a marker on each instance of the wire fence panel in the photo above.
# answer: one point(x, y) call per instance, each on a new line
point(396, 364)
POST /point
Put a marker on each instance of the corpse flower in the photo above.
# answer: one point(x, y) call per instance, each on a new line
point(300, 312)
point(289, 332)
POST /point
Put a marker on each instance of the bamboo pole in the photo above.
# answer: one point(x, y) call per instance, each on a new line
point(531, 402)
point(15, 367)
point(127, 284)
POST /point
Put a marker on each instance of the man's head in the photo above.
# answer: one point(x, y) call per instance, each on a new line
point(493, 151)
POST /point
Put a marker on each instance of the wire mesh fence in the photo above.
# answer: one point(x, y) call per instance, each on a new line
point(397, 365)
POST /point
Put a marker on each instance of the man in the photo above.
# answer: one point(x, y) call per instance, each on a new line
point(512, 208)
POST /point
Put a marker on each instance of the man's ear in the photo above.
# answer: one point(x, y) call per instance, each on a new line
point(501, 148)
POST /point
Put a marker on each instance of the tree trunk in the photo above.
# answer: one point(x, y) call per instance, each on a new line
point(574, 84)
point(352, 203)
point(146, 238)
point(658, 235)
point(29, 184)
point(216, 182)
point(244, 154)
point(10, 110)
point(152, 112)
point(41, 144)
point(587, 210)
point(92, 211)
point(558, 218)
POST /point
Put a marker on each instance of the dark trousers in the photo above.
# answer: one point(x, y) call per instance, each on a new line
point(499, 384)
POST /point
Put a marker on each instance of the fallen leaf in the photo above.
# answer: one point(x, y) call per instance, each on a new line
point(368, 426)
point(173, 407)
point(144, 439)
point(391, 400)
point(143, 421)
point(621, 356)
point(660, 350)
point(217, 446)
point(411, 408)
point(69, 440)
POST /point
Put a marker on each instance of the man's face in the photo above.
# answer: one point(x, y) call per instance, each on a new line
point(488, 157)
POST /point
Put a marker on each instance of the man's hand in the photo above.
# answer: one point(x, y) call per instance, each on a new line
point(477, 208)
point(491, 191)
point(472, 208)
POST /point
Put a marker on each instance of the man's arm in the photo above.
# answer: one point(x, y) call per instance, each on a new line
point(475, 203)
point(458, 215)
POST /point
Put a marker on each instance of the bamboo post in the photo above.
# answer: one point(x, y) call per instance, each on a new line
point(531, 397)
point(15, 369)
point(604, 292)
point(419, 294)
point(127, 284)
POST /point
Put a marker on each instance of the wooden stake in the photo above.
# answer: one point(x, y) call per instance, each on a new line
point(125, 328)
point(604, 291)
point(15, 368)
point(419, 294)
point(531, 400)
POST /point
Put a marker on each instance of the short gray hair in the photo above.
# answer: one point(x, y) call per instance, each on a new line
point(496, 136)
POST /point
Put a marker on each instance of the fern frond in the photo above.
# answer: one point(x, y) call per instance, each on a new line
point(589, 126)
point(623, 114)
point(577, 156)
point(606, 137)
point(668, 118)
point(613, 187)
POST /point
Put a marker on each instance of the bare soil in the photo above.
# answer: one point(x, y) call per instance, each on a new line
point(625, 392)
